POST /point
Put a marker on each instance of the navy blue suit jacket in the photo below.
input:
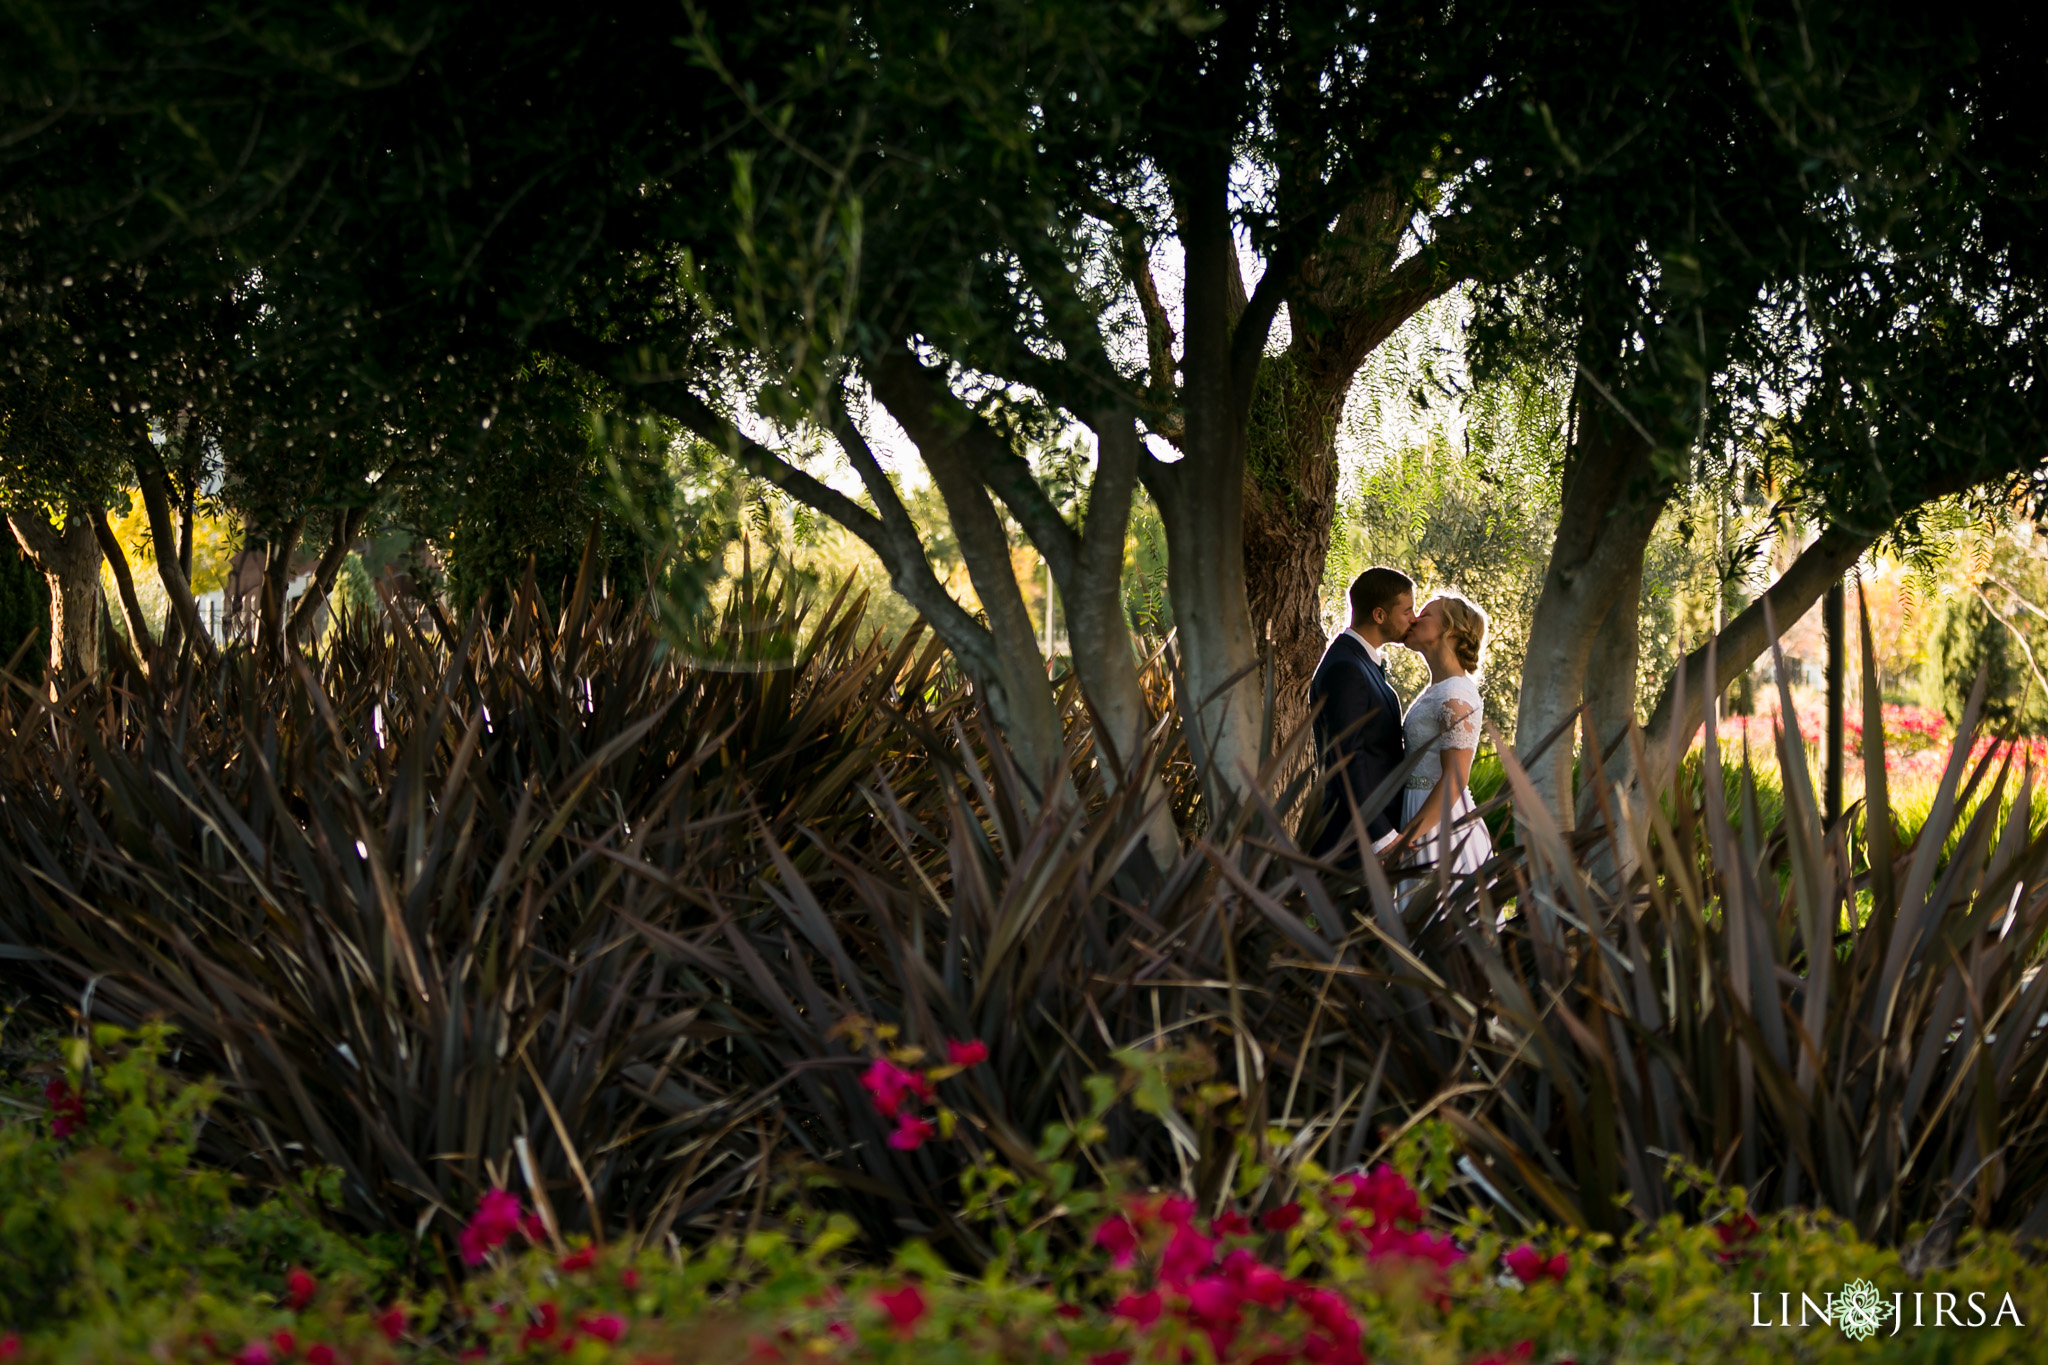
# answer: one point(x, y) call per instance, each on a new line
point(1352, 688)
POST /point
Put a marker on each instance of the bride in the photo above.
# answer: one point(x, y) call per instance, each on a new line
point(1442, 724)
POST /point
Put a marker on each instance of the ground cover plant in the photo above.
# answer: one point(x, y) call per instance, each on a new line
point(627, 923)
point(1379, 1264)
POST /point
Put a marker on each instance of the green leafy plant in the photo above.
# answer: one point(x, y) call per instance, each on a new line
point(104, 1212)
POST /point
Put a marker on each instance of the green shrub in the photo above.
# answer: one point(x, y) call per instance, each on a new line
point(105, 1217)
point(1287, 1266)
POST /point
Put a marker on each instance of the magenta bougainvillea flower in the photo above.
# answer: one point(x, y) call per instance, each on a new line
point(912, 1132)
point(391, 1322)
point(1530, 1266)
point(606, 1327)
point(499, 1214)
point(1280, 1219)
point(299, 1288)
point(1384, 1193)
point(67, 1108)
point(889, 1085)
point(1119, 1238)
point(972, 1052)
point(905, 1306)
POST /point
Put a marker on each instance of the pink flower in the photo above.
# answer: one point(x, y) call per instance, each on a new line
point(1256, 1281)
point(839, 1330)
point(1384, 1243)
point(906, 1307)
point(606, 1327)
point(299, 1288)
point(1176, 1210)
point(1214, 1300)
point(1327, 1309)
point(1188, 1253)
point(630, 1278)
point(973, 1052)
point(499, 1214)
point(1110, 1358)
point(319, 1353)
point(1280, 1219)
point(255, 1353)
point(1736, 1228)
point(391, 1322)
point(1320, 1350)
point(1117, 1237)
point(888, 1084)
point(1514, 1355)
point(547, 1321)
point(284, 1342)
point(10, 1348)
point(67, 1108)
point(1140, 1309)
point(582, 1258)
point(911, 1133)
point(1529, 1265)
point(1384, 1193)
point(1231, 1223)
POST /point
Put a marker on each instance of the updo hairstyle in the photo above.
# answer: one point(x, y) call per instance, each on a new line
point(1465, 623)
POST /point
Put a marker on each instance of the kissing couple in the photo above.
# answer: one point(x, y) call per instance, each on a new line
point(1363, 735)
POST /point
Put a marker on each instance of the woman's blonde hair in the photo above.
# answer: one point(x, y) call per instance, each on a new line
point(1465, 623)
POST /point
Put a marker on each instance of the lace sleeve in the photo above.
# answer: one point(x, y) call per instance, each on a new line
point(1458, 722)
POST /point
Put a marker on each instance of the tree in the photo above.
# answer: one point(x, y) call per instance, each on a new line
point(955, 212)
point(1705, 264)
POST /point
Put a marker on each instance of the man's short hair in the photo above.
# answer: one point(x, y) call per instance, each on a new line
point(1377, 587)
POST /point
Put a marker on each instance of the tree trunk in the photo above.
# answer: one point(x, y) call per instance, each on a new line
point(174, 568)
point(1290, 498)
point(139, 638)
point(1832, 612)
point(1201, 497)
point(69, 561)
point(1099, 634)
point(1612, 497)
point(1347, 298)
point(1612, 668)
point(277, 581)
point(347, 526)
point(1017, 688)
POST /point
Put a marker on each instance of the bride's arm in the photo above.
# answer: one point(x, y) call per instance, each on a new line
point(1457, 771)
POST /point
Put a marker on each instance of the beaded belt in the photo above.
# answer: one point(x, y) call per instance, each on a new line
point(1420, 784)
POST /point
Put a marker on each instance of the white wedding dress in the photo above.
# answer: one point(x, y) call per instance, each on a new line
point(1445, 715)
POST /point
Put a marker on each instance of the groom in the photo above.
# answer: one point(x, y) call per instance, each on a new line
point(1358, 716)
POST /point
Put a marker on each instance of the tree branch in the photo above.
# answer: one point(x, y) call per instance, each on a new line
point(1136, 259)
point(124, 582)
point(156, 503)
point(1743, 640)
point(667, 395)
point(37, 538)
point(919, 399)
point(910, 572)
point(348, 524)
point(1248, 337)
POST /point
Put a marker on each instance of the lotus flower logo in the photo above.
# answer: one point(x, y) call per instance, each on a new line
point(1860, 1310)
